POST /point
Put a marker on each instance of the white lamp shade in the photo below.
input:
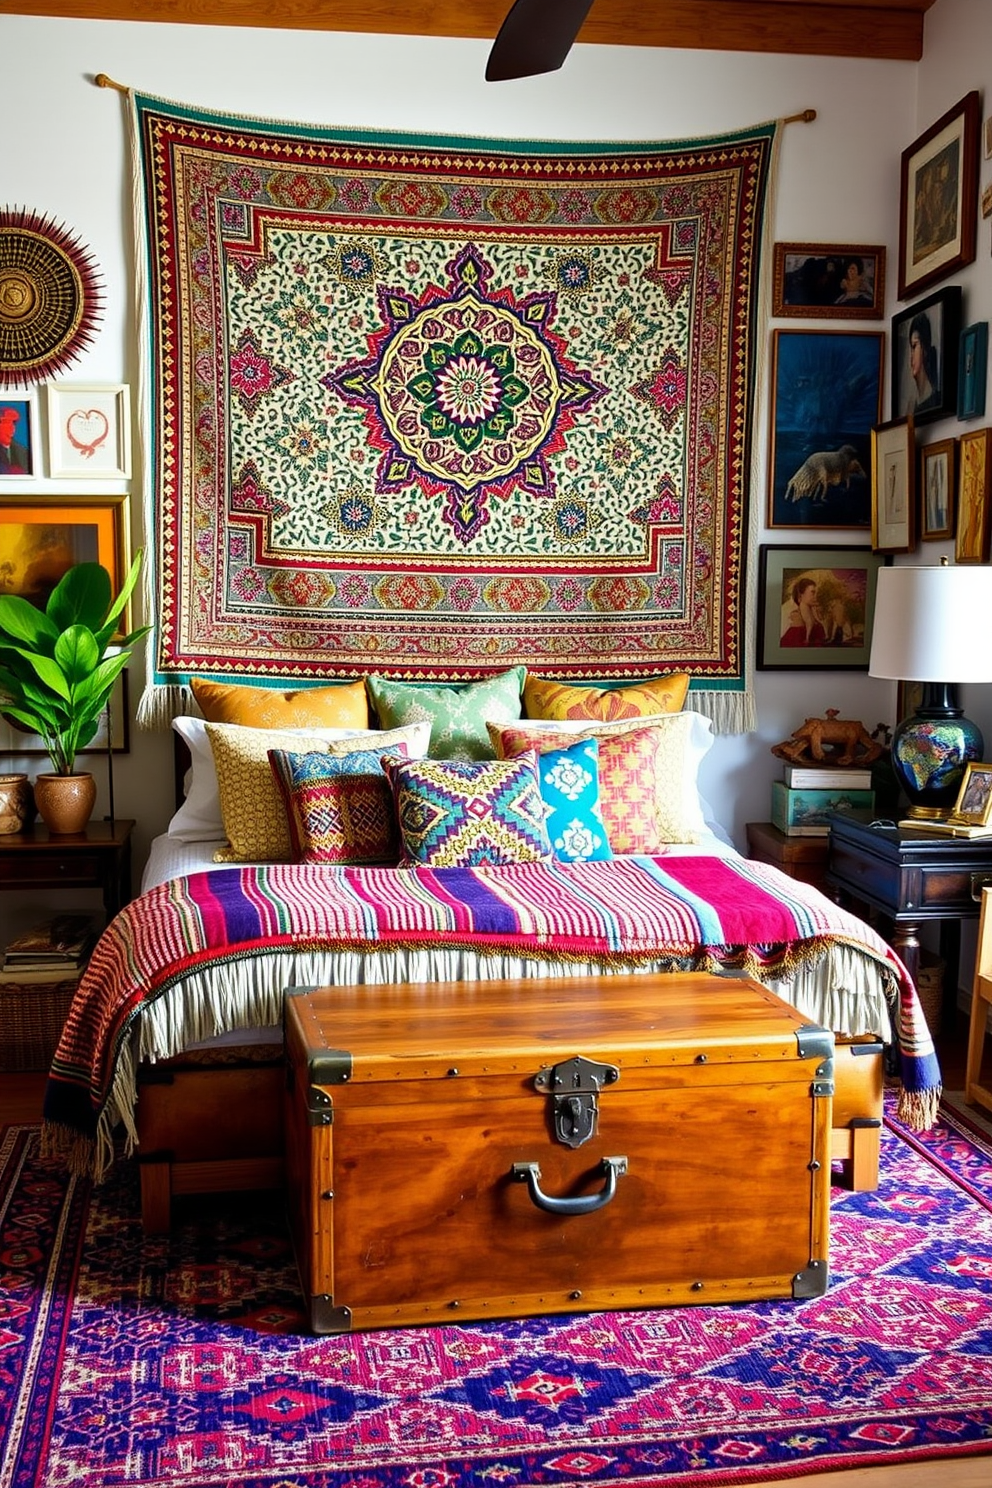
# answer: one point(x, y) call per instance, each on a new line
point(932, 624)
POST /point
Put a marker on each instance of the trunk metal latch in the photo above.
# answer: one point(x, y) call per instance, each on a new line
point(574, 1086)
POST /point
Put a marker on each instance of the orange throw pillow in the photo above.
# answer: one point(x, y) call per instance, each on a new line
point(559, 700)
point(342, 706)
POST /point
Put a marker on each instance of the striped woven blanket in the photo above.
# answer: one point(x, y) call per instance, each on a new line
point(671, 912)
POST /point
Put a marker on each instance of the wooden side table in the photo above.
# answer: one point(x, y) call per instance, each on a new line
point(99, 858)
point(911, 878)
point(803, 858)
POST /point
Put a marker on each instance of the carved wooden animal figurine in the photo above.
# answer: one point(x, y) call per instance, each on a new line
point(830, 740)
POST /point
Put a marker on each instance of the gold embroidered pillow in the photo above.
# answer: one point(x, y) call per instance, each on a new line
point(544, 698)
point(343, 706)
point(647, 773)
point(250, 803)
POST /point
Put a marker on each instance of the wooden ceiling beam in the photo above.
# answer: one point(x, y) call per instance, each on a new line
point(891, 29)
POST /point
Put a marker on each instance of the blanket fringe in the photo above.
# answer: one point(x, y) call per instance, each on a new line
point(918, 1109)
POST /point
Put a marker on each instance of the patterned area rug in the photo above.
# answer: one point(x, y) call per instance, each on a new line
point(181, 1361)
point(437, 406)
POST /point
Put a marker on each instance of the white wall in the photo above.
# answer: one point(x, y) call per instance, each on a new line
point(839, 181)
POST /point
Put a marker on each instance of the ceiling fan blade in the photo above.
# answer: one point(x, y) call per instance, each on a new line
point(536, 36)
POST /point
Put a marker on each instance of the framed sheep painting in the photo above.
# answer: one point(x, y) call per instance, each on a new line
point(826, 397)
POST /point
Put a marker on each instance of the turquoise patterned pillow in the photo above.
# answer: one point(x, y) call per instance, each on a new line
point(339, 807)
point(570, 787)
point(464, 813)
point(458, 715)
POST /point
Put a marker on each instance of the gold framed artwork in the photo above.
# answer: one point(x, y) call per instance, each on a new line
point(938, 202)
point(938, 474)
point(40, 539)
point(973, 807)
point(893, 487)
point(971, 540)
point(829, 281)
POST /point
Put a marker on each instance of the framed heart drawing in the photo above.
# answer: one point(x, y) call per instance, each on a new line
point(89, 431)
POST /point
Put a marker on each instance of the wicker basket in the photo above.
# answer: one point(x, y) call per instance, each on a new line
point(31, 1018)
point(930, 987)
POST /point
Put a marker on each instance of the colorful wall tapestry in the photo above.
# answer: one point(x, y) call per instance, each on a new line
point(432, 407)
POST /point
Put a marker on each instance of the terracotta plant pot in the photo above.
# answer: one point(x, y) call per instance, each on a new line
point(65, 802)
point(16, 803)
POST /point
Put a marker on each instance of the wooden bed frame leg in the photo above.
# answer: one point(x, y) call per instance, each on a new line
point(156, 1195)
point(866, 1145)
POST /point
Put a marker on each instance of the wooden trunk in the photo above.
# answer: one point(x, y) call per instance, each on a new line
point(438, 1136)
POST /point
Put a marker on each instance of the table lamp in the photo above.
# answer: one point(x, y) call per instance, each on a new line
point(931, 625)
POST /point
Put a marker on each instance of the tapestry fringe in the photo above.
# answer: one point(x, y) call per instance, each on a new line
point(159, 705)
point(729, 712)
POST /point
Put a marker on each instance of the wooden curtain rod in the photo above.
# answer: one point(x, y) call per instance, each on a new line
point(806, 117)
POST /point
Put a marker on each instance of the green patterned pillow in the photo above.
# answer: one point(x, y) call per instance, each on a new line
point(457, 715)
point(469, 813)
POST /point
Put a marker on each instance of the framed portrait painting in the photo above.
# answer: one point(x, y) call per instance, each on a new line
point(41, 539)
point(893, 487)
point(18, 439)
point(925, 346)
point(938, 474)
point(815, 607)
point(938, 201)
point(89, 431)
point(826, 398)
point(971, 539)
point(834, 281)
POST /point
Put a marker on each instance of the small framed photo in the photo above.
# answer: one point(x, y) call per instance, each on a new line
point(971, 540)
point(89, 431)
point(893, 487)
point(819, 467)
point(938, 203)
point(973, 357)
point(815, 607)
point(973, 807)
point(938, 474)
point(834, 281)
point(40, 539)
point(18, 438)
point(925, 345)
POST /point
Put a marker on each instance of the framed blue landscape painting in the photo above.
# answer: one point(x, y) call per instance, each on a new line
point(826, 398)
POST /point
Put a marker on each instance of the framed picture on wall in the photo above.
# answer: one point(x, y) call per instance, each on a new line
point(14, 741)
point(938, 200)
point(89, 431)
point(938, 473)
point(826, 398)
point(924, 350)
point(815, 607)
point(833, 281)
point(971, 540)
point(42, 538)
point(893, 487)
point(973, 356)
point(18, 437)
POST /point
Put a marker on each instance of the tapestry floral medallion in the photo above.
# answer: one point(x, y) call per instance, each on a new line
point(434, 407)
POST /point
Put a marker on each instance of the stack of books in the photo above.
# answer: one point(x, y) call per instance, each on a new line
point(807, 795)
point(56, 947)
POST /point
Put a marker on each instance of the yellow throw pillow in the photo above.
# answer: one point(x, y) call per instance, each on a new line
point(546, 699)
point(251, 804)
point(342, 706)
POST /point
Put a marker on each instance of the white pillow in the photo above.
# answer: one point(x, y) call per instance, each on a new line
point(199, 818)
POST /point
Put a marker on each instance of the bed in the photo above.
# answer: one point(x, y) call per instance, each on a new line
point(174, 1039)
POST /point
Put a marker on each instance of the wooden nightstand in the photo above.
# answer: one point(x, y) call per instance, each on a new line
point(911, 877)
point(99, 858)
point(804, 858)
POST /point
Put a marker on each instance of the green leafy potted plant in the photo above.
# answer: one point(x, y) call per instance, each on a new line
point(56, 676)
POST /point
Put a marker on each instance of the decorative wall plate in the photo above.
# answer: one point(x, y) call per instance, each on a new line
point(50, 297)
